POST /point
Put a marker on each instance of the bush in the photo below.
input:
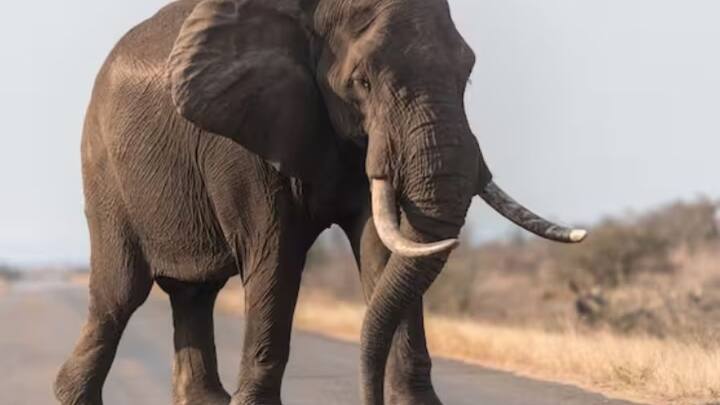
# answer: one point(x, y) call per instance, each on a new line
point(613, 254)
point(683, 224)
point(617, 250)
point(452, 292)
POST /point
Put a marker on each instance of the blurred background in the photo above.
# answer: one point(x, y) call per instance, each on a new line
point(603, 113)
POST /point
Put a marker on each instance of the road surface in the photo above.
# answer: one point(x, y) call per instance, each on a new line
point(39, 324)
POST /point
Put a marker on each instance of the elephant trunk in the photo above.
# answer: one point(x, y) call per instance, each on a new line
point(431, 184)
point(404, 281)
point(405, 278)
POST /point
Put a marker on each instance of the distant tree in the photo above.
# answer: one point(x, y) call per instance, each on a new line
point(683, 224)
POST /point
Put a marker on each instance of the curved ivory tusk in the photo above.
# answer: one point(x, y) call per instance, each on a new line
point(384, 210)
point(526, 219)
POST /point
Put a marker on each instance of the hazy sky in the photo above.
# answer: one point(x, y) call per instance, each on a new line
point(583, 108)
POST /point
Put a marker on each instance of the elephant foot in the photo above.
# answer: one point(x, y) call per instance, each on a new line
point(205, 398)
point(71, 387)
point(423, 397)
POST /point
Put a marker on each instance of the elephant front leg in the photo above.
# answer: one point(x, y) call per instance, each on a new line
point(271, 292)
point(408, 373)
point(195, 373)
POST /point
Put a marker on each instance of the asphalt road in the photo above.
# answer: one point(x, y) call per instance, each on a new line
point(39, 324)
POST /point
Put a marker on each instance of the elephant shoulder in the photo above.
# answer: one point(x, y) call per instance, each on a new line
point(152, 40)
point(133, 73)
point(143, 51)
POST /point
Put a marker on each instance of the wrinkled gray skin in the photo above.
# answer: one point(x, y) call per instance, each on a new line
point(223, 136)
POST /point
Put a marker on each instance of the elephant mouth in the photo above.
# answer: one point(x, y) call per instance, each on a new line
point(384, 210)
point(386, 221)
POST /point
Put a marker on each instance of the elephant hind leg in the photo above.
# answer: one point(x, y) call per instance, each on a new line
point(195, 373)
point(120, 281)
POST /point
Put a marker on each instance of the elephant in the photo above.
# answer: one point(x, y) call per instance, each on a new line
point(223, 136)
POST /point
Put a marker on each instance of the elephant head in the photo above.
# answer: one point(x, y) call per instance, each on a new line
point(288, 78)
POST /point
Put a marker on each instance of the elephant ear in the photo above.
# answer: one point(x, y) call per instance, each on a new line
point(241, 69)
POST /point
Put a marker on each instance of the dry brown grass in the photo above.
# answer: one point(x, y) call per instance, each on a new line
point(645, 369)
point(79, 278)
point(642, 369)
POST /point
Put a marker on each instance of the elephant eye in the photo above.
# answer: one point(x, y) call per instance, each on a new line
point(364, 83)
point(360, 82)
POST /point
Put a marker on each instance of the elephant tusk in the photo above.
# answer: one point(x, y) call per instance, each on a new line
point(384, 210)
point(526, 219)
